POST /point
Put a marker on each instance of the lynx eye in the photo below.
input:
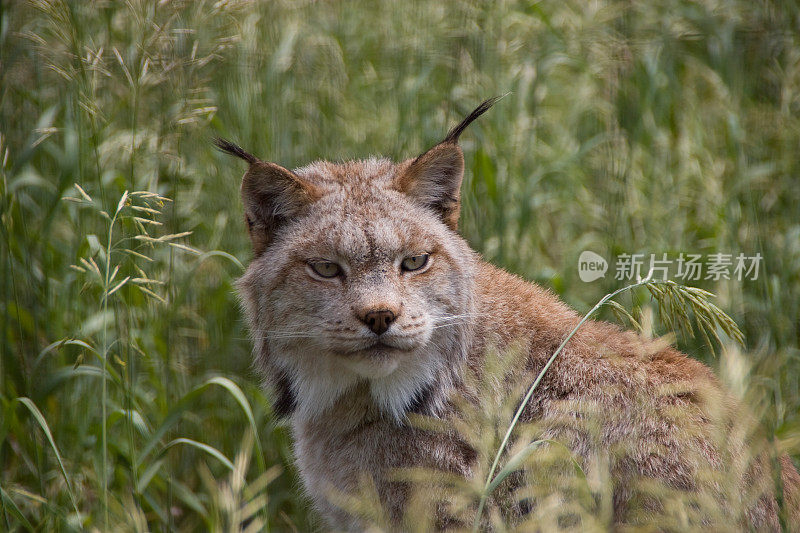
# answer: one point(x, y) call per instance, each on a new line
point(415, 262)
point(325, 269)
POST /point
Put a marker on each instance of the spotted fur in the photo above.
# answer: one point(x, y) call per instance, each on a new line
point(348, 390)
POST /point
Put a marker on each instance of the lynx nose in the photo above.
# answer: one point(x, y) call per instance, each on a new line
point(379, 320)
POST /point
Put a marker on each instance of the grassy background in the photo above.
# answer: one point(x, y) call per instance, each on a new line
point(646, 127)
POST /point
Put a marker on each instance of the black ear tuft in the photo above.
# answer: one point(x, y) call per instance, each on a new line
point(233, 149)
point(455, 133)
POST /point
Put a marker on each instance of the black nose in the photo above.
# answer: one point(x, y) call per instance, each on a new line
point(379, 321)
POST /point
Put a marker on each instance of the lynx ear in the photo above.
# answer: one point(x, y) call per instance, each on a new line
point(434, 178)
point(271, 195)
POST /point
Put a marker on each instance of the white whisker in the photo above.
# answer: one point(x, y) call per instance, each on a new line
point(447, 325)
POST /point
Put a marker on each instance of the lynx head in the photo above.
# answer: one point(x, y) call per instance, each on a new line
point(359, 278)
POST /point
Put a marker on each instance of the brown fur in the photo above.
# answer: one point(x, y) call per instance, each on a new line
point(348, 390)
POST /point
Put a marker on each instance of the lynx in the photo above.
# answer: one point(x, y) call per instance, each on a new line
point(365, 305)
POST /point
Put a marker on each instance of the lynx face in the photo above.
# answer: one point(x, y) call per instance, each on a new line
point(359, 278)
point(364, 284)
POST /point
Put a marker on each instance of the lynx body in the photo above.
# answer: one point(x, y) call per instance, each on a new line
point(365, 305)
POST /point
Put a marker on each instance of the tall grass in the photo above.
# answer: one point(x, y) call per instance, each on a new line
point(630, 128)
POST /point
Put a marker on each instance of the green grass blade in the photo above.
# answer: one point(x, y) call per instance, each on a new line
point(188, 399)
point(224, 255)
point(172, 417)
point(148, 476)
point(37, 415)
point(210, 450)
point(59, 344)
point(241, 399)
point(532, 389)
point(516, 461)
point(11, 507)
